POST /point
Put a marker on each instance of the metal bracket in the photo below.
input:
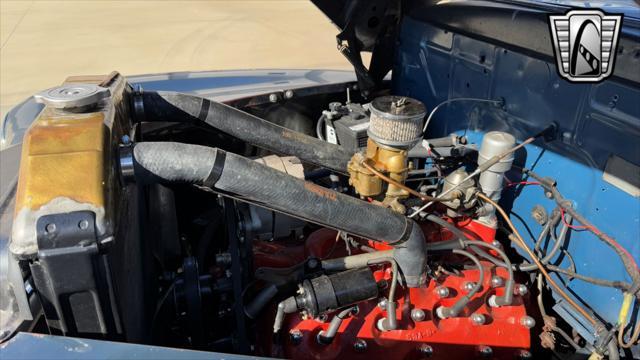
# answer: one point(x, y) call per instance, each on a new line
point(72, 278)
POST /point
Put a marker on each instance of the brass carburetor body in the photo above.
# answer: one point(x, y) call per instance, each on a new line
point(394, 128)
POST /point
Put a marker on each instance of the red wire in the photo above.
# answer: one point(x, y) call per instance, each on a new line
point(593, 229)
point(598, 233)
point(577, 227)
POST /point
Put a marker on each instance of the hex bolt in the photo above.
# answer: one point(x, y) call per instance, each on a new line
point(296, 336)
point(273, 98)
point(442, 292)
point(527, 321)
point(417, 315)
point(521, 289)
point(425, 350)
point(485, 351)
point(496, 281)
point(360, 345)
point(382, 304)
point(288, 94)
point(525, 355)
point(50, 228)
point(478, 319)
point(83, 225)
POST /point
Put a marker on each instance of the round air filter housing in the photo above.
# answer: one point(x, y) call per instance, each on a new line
point(396, 121)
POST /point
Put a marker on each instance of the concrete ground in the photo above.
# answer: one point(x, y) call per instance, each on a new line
point(43, 42)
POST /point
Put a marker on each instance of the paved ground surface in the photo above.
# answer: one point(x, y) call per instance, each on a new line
point(45, 41)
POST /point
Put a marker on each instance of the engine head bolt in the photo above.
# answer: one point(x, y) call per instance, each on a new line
point(425, 350)
point(521, 289)
point(496, 281)
point(478, 319)
point(273, 98)
point(360, 345)
point(288, 94)
point(417, 315)
point(485, 351)
point(525, 355)
point(442, 292)
point(296, 336)
point(528, 322)
point(382, 304)
point(468, 286)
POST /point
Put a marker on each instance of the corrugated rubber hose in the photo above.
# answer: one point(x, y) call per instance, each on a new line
point(176, 107)
point(250, 181)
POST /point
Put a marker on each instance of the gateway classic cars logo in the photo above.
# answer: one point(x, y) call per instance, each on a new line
point(585, 44)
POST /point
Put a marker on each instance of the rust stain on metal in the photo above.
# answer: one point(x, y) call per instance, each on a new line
point(63, 156)
point(320, 191)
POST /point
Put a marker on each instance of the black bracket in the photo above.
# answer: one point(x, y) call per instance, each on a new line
point(72, 277)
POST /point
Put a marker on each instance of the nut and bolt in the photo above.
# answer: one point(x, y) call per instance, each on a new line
point(50, 228)
point(442, 292)
point(468, 286)
point(528, 322)
point(525, 355)
point(382, 304)
point(485, 351)
point(360, 345)
point(418, 315)
point(296, 336)
point(83, 225)
point(496, 281)
point(273, 98)
point(425, 350)
point(478, 319)
point(521, 289)
point(288, 94)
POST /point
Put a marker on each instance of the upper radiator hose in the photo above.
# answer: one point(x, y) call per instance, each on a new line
point(259, 184)
point(177, 107)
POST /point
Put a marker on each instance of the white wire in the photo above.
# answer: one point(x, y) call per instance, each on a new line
point(424, 129)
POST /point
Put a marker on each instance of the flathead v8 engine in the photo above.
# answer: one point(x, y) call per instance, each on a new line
point(474, 206)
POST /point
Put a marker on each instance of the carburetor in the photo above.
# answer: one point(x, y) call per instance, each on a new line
point(395, 127)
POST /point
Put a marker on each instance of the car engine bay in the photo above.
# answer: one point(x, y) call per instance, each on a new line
point(442, 212)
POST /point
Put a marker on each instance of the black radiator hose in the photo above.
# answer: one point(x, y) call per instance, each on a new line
point(236, 176)
point(177, 107)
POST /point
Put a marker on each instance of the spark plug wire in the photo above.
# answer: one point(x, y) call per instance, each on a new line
point(535, 259)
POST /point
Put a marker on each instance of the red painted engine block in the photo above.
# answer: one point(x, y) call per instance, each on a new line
point(502, 334)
